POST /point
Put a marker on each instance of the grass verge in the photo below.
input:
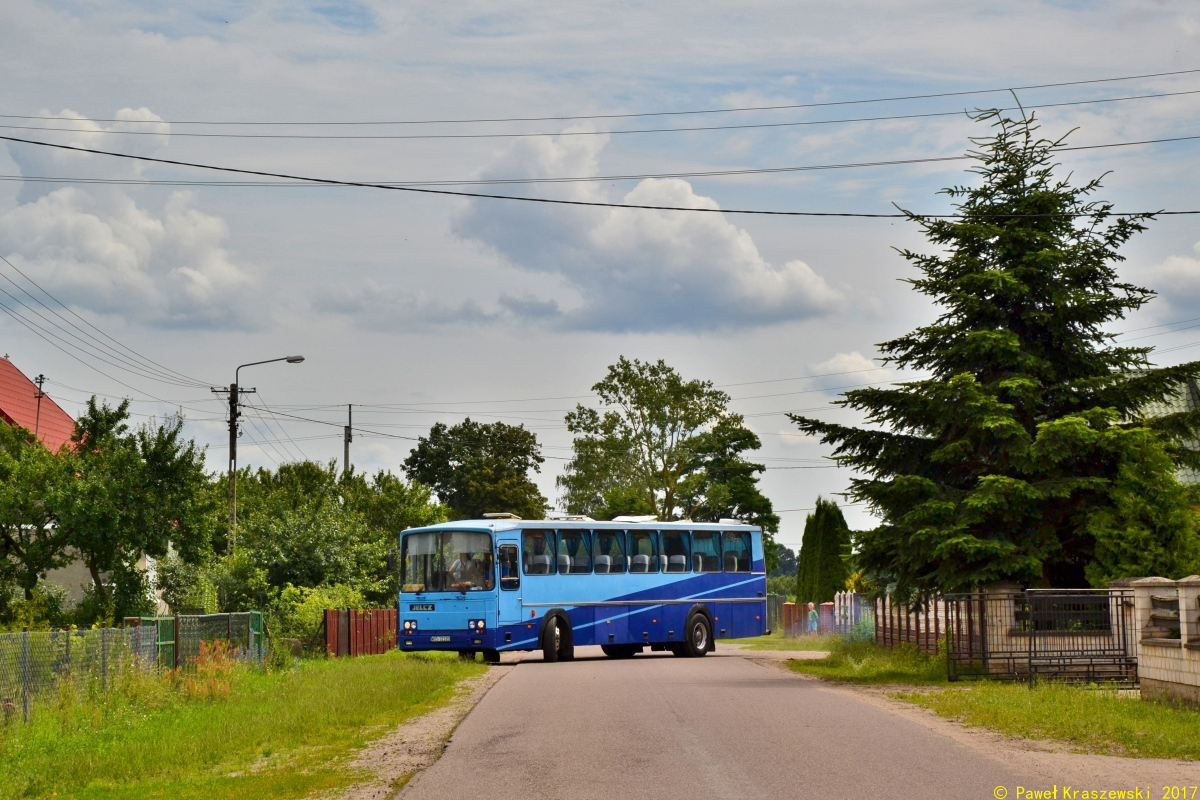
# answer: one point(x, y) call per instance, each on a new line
point(276, 735)
point(777, 641)
point(1090, 720)
point(867, 662)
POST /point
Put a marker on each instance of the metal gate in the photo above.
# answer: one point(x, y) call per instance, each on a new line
point(1080, 635)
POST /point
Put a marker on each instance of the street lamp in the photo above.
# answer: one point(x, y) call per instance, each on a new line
point(234, 414)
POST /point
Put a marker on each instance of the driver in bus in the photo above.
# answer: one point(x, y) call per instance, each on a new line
point(463, 570)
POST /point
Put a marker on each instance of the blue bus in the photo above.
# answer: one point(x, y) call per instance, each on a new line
point(502, 583)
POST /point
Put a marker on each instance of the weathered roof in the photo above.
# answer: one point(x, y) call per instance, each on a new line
point(19, 406)
point(1187, 398)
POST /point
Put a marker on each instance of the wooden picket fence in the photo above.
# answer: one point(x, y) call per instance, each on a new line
point(922, 625)
point(360, 632)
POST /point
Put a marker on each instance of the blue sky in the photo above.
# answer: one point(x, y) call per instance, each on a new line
point(430, 308)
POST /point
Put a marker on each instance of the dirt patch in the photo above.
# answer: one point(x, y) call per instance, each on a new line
point(1052, 762)
point(774, 656)
point(416, 744)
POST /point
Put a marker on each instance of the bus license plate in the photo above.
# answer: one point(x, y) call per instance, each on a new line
point(439, 638)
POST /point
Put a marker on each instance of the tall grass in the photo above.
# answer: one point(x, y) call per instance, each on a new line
point(1092, 720)
point(867, 662)
point(273, 735)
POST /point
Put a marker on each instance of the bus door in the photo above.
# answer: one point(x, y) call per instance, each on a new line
point(508, 563)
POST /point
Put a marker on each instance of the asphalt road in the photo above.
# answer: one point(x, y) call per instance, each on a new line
point(715, 727)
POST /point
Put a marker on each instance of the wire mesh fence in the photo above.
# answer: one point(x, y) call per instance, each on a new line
point(33, 663)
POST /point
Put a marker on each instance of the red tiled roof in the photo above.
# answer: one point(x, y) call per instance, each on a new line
point(19, 406)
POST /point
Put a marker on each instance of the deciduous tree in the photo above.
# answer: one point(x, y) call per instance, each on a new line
point(663, 446)
point(477, 468)
point(132, 493)
point(31, 543)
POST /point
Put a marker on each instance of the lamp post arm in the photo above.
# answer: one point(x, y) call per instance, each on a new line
point(254, 364)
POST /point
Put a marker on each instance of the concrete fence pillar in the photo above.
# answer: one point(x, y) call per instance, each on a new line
point(1189, 610)
point(1143, 589)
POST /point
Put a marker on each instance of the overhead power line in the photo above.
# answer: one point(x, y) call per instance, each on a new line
point(636, 206)
point(134, 362)
point(727, 110)
point(530, 134)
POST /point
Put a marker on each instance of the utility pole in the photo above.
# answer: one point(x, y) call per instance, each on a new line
point(235, 413)
point(235, 393)
point(37, 423)
point(349, 435)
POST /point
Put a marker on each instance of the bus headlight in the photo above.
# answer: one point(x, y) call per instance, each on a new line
point(410, 624)
point(476, 626)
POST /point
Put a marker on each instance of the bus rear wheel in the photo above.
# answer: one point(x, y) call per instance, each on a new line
point(699, 635)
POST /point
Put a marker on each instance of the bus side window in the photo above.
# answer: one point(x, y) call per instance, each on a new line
point(573, 555)
point(675, 551)
point(539, 552)
point(510, 571)
point(737, 551)
point(610, 552)
point(643, 554)
point(706, 551)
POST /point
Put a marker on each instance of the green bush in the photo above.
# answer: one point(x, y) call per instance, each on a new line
point(187, 588)
point(784, 585)
point(46, 609)
point(299, 611)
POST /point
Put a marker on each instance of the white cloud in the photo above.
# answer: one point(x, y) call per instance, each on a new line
point(845, 369)
point(1177, 281)
point(97, 249)
point(638, 270)
point(137, 131)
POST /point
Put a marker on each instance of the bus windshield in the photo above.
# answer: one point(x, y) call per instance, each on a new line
point(447, 561)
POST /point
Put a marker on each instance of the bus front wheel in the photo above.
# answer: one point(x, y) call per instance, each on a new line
point(557, 642)
point(551, 641)
point(699, 635)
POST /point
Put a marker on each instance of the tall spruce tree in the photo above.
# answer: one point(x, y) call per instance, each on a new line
point(821, 568)
point(1027, 454)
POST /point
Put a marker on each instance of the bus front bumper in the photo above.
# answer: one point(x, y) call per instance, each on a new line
point(446, 640)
